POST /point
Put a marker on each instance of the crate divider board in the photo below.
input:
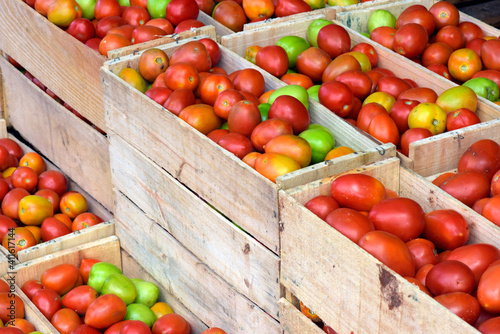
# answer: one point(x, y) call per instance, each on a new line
point(348, 288)
point(248, 266)
point(293, 321)
point(68, 67)
point(161, 136)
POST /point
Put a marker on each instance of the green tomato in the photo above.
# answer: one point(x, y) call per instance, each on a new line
point(296, 91)
point(35, 333)
point(140, 312)
point(147, 292)
point(316, 4)
point(124, 3)
point(381, 18)
point(313, 92)
point(321, 127)
point(321, 143)
point(87, 8)
point(483, 87)
point(313, 30)
point(121, 286)
point(99, 272)
point(224, 126)
point(293, 45)
point(158, 8)
point(342, 2)
point(367, 35)
point(264, 110)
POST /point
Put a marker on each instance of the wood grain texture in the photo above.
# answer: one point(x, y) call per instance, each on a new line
point(131, 268)
point(197, 287)
point(292, 321)
point(364, 290)
point(252, 269)
point(73, 145)
point(99, 231)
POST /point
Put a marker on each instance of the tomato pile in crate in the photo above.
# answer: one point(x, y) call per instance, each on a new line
point(344, 267)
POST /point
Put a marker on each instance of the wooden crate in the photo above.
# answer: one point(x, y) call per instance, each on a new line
point(329, 12)
point(206, 294)
point(249, 267)
point(73, 145)
point(76, 238)
point(292, 320)
point(68, 67)
point(427, 156)
point(348, 288)
point(108, 250)
point(216, 175)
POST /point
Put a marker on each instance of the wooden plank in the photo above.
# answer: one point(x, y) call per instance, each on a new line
point(69, 68)
point(252, 269)
point(367, 293)
point(294, 322)
point(131, 268)
point(197, 287)
point(99, 231)
point(78, 149)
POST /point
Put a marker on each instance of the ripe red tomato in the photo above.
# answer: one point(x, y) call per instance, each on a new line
point(146, 33)
point(10, 203)
point(290, 109)
point(85, 266)
point(357, 191)
point(384, 35)
point(423, 252)
point(194, 53)
point(400, 111)
point(491, 210)
point(105, 311)
point(7, 299)
point(351, 223)
point(53, 180)
point(180, 10)
point(447, 229)
point(445, 14)
point(419, 15)
point(359, 82)
point(104, 25)
point(462, 304)
point(85, 329)
point(61, 278)
point(225, 101)
point(383, 128)
point(452, 36)
point(487, 289)
point(172, 323)
point(490, 54)
point(461, 118)
point(450, 276)
point(66, 320)
point(366, 114)
point(468, 187)
point(136, 15)
point(482, 156)
point(179, 99)
point(52, 228)
point(201, 117)
point(30, 287)
point(411, 135)
point(135, 327)
point(230, 14)
point(334, 40)
point(273, 59)
point(476, 256)
point(313, 62)
point(250, 80)
point(243, 117)
point(236, 143)
point(392, 85)
point(436, 53)
point(267, 130)
point(104, 8)
point(400, 216)
point(410, 40)
point(322, 205)
point(337, 97)
point(369, 51)
point(82, 29)
point(47, 301)
point(390, 250)
point(12, 147)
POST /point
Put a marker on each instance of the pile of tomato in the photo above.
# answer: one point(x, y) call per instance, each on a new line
point(97, 297)
point(429, 249)
point(36, 205)
point(476, 183)
point(106, 25)
point(458, 51)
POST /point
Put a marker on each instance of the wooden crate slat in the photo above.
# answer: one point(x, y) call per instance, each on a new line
point(131, 268)
point(70, 143)
point(294, 322)
point(243, 262)
point(191, 281)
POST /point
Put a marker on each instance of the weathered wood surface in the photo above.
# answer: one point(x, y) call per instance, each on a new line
point(195, 285)
point(292, 321)
point(252, 269)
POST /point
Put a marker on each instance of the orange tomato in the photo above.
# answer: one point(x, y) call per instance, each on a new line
point(212, 86)
point(251, 53)
point(201, 117)
point(52, 196)
point(84, 220)
point(161, 308)
point(34, 209)
point(258, 9)
point(73, 203)
point(182, 75)
point(293, 146)
point(34, 161)
point(382, 98)
point(308, 313)
point(63, 12)
point(36, 231)
point(464, 63)
point(338, 152)
point(22, 324)
point(273, 165)
point(18, 239)
point(111, 42)
point(265, 97)
point(64, 218)
point(297, 79)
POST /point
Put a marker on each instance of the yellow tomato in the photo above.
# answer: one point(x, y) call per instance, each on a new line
point(362, 59)
point(161, 308)
point(338, 152)
point(428, 116)
point(63, 12)
point(133, 78)
point(33, 209)
point(383, 98)
point(8, 172)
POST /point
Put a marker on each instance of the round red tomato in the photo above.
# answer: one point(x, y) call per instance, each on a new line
point(452, 36)
point(351, 223)
point(322, 205)
point(490, 54)
point(135, 327)
point(52, 228)
point(180, 10)
point(334, 40)
point(243, 117)
point(423, 251)
point(267, 130)
point(213, 50)
point(53, 180)
point(230, 14)
point(337, 97)
point(273, 59)
point(384, 35)
point(30, 287)
point(369, 51)
point(482, 156)
point(178, 100)
point(7, 299)
point(194, 53)
point(359, 82)
point(436, 53)
point(357, 191)
point(61, 278)
point(171, 323)
point(445, 14)
point(250, 80)
point(105, 311)
point(447, 229)
point(47, 301)
point(390, 250)
point(419, 15)
point(136, 15)
point(290, 109)
point(313, 62)
point(392, 85)
point(461, 304)
point(491, 210)
point(450, 276)
point(476, 256)
point(66, 320)
point(411, 135)
point(410, 40)
point(236, 143)
point(461, 118)
point(383, 128)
